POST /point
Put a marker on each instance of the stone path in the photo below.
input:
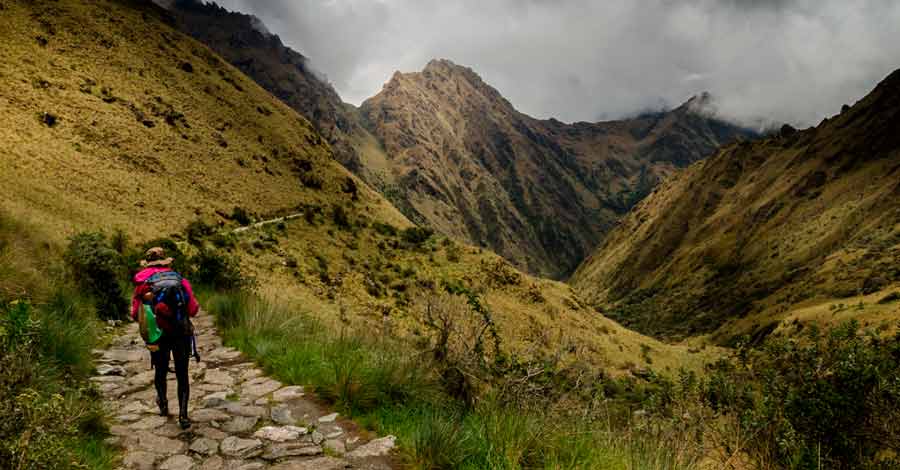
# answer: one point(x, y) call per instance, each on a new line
point(242, 419)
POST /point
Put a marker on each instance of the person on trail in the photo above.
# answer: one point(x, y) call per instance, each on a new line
point(167, 299)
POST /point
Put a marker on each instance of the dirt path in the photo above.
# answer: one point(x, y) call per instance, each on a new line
point(243, 420)
point(263, 223)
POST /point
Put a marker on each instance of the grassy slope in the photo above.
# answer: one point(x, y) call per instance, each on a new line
point(764, 232)
point(558, 324)
point(217, 139)
point(100, 167)
point(51, 414)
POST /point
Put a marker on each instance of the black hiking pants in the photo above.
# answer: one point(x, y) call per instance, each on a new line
point(180, 350)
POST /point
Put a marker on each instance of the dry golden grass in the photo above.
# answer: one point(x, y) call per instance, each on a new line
point(107, 72)
point(534, 317)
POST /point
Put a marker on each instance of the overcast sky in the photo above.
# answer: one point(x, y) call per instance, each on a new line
point(793, 61)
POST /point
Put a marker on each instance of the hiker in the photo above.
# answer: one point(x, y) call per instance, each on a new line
point(165, 301)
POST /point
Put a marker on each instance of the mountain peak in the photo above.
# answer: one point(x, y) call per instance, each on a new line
point(435, 65)
point(703, 104)
point(447, 69)
point(453, 79)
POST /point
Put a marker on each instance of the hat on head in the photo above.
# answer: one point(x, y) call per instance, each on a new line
point(156, 256)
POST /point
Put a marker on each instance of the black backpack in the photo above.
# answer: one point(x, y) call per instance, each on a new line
point(170, 303)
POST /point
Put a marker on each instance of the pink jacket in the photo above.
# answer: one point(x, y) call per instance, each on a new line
point(140, 288)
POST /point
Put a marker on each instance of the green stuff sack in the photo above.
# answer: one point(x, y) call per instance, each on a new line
point(150, 331)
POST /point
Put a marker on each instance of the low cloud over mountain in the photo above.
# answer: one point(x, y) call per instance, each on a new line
point(791, 61)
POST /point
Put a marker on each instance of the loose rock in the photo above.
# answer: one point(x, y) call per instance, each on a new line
point(215, 399)
point(244, 410)
point(321, 463)
point(107, 369)
point(205, 446)
point(159, 445)
point(219, 377)
point(233, 446)
point(281, 414)
point(177, 462)
point(292, 449)
point(335, 445)
point(287, 393)
point(260, 389)
point(280, 434)
point(149, 422)
point(139, 460)
point(374, 448)
point(328, 418)
point(240, 424)
point(206, 415)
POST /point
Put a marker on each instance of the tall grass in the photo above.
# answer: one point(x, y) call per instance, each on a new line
point(50, 415)
point(393, 389)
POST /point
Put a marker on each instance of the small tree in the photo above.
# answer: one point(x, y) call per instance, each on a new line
point(96, 267)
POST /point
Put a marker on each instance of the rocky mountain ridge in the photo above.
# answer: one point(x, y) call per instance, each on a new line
point(739, 240)
point(539, 192)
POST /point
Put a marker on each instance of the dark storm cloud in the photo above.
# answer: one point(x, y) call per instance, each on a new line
point(781, 60)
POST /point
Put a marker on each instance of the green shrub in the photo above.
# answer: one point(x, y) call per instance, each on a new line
point(241, 216)
point(97, 268)
point(416, 236)
point(216, 270)
point(223, 240)
point(826, 400)
point(198, 230)
point(312, 180)
point(454, 251)
point(387, 230)
point(120, 241)
point(309, 215)
point(340, 217)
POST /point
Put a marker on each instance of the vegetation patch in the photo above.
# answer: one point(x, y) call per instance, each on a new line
point(515, 415)
point(52, 414)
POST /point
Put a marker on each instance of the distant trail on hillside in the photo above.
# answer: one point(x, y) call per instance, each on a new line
point(267, 222)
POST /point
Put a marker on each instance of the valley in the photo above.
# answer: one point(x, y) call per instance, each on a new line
point(487, 289)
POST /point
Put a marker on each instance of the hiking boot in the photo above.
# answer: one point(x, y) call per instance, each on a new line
point(163, 407)
point(184, 421)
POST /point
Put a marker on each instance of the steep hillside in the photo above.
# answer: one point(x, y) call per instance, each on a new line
point(111, 118)
point(540, 193)
point(243, 41)
point(763, 229)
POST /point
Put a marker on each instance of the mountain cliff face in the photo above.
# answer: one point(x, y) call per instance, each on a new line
point(539, 192)
point(761, 227)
